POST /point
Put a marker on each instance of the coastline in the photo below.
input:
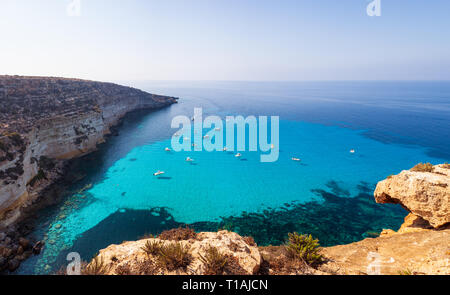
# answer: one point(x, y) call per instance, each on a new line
point(73, 117)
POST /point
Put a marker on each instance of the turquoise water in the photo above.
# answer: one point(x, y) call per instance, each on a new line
point(328, 193)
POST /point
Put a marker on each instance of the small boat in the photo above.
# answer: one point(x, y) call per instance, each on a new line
point(238, 155)
point(177, 135)
point(158, 173)
point(352, 151)
point(296, 159)
point(189, 159)
point(167, 149)
point(272, 146)
point(225, 149)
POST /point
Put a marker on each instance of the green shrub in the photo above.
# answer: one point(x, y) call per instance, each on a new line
point(215, 262)
point(421, 167)
point(174, 256)
point(305, 248)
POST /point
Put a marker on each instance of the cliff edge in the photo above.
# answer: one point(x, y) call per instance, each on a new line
point(46, 120)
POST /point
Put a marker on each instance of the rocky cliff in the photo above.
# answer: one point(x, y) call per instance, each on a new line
point(44, 121)
point(421, 246)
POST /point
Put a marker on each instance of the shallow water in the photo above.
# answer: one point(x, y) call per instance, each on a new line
point(392, 126)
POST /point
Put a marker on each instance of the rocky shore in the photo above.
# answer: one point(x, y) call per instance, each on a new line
point(421, 246)
point(45, 121)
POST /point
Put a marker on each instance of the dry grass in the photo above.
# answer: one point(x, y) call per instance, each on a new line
point(152, 247)
point(215, 262)
point(421, 167)
point(174, 256)
point(178, 234)
point(96, 267)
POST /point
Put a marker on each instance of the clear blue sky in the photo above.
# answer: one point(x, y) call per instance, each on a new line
point(226, 40)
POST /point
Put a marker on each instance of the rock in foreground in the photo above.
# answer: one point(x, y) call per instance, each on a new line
point(130, 257)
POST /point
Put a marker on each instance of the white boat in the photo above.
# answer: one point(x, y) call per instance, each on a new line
point(238, 155)
point(167, 149)
point(189, 159)
point(352, 151)
point(296, 159)
point(272, 146)
point(225, 149)
point(158, 173)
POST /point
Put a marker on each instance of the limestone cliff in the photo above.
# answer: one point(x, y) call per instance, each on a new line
point(424, 191)
point(46, 120)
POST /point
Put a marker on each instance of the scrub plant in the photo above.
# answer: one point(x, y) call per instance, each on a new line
point(304, 248)
point(215, 262)
point(174, 256)
point(96, 267)
point(421, 167)
point(152, 247)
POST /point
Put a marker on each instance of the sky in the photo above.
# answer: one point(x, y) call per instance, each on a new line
point(255, 40)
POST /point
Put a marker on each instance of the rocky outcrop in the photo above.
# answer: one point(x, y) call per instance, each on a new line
point(44, 121)
point(130, 257)
point(420, 252)
point(424, 193)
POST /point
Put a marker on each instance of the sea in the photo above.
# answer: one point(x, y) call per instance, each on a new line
point(348, 135)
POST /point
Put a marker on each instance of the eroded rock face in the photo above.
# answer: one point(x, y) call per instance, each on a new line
point(44, 121)
point(130, 255)
point(421, 252)
point(425, 194)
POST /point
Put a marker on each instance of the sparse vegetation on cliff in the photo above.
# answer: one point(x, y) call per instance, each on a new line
point(174, 256)
point(178, 234)
point(95, 268)
point(39, 176)
point(305, 248)
point(152, 247)
point(421, 167)
point(214, 261)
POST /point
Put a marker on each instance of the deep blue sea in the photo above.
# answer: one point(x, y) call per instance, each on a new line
point(391, 126)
